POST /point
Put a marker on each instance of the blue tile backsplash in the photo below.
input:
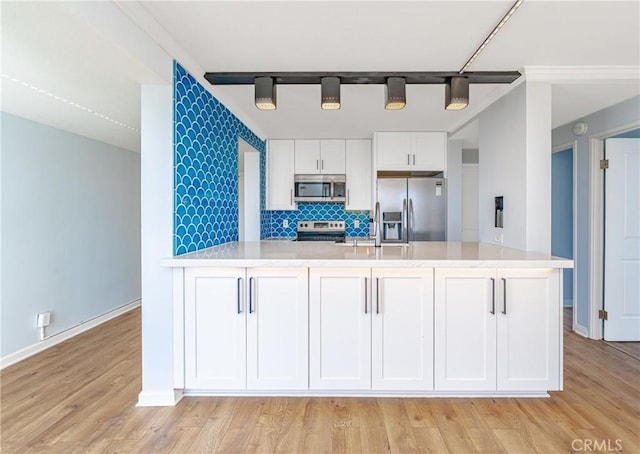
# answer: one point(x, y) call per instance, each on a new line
point(319, 212)
point(206, 175)
point(206, 168)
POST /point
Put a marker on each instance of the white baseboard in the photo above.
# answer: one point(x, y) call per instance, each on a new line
point(159, 398)
point(55, 339)
point(579, 329)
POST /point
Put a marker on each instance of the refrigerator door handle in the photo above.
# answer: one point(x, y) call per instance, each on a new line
point(405, 217)
point(410, 221)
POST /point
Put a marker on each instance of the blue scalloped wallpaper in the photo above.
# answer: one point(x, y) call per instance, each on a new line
point(206, 168)
point(319, 212)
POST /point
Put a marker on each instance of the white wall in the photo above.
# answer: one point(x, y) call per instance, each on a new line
point(157, 235)
point(515, 162)
point(70, 229)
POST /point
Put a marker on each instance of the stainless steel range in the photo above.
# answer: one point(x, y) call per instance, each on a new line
point(321, 231)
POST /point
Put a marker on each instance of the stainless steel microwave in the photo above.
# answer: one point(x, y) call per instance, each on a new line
point(320, 188)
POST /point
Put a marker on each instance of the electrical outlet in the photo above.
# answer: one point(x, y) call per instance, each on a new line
point(285, 223)
point(43, 319)
point(356, 224)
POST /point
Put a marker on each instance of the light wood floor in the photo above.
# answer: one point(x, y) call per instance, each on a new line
point(79, 397)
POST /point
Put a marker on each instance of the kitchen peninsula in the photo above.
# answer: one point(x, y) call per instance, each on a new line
point(424, 319)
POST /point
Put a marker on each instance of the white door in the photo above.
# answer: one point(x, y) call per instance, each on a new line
point(277, 328)
point(528, 312)
point(215, 324)
point(307, 156)
point(622, 241)
point(394, 150)
point(332, 156)
point(251, 197)
point(402, 329)
point(358, 174)
point(280, 168)
point(465, 329)
point(470, 202)
point(339, 328)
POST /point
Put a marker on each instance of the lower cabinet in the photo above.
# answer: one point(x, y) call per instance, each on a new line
point(380, 329)
point(371, 329)
point(246, 328)
point(497, 329)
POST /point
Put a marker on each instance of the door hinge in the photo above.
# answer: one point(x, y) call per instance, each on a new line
point(604, 164)
point(602, 315)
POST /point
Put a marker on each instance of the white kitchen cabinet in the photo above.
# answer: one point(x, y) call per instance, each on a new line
point(332, 156)
point(465, 329)
point(280, 171)
point(529, 329)
point(339, 328)
point(246, 328)
point(414, 151)
point(402, 329)
point(371, 329)
point(314, 156)
point(429, 150)
point(497, 329)
point(358, 174)
point(215, 328)
point(277, 328)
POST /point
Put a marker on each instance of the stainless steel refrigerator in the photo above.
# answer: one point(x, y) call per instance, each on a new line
point(412, 209)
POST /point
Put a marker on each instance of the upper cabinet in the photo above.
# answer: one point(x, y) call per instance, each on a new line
point(280, 166)
point(358, 174)
point(319, 156)
point(413, 151)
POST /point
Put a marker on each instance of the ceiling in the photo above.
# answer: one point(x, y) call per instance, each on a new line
point(48, 46)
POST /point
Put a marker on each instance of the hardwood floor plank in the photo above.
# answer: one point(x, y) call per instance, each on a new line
point(429, 439)
point(399, 429)
point(373, 433)
point(79, 397)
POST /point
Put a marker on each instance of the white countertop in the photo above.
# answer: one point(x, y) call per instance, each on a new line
point(425, 254)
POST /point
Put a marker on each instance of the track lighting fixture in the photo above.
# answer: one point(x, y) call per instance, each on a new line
point(456, 93)
point(456, 84)
point(265, 93)
point(396, 95)
point(330, 93)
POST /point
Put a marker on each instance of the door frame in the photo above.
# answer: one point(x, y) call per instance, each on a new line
point(573, 145)
point(596, 225)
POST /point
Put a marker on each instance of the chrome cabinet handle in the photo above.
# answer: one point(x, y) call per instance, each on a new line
point(322, 164)
point(414, 160)
point(408, 159)
point(291, 195)
point(251, 295)
point(377, 295)
point(504, 296)
point(348, 196)
point(317, 165)
point(493, 297)
point(366, 300)
point(239, 290)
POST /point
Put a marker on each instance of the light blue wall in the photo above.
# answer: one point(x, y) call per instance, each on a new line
point(70, 229)
point(562, 214)
point(206, 167)
point(622, 114)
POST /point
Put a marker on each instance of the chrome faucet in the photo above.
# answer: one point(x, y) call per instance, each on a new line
point(376, 222)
